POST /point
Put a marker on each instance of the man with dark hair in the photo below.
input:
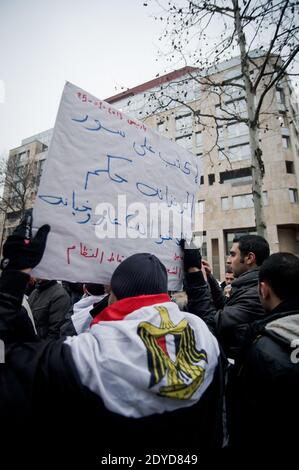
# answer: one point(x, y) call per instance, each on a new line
point(145, 378)
point(243, 250)
point(243, 305)
point(226, 284)
point(266, 408)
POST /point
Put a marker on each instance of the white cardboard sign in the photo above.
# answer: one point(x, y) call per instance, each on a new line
point(108, 188)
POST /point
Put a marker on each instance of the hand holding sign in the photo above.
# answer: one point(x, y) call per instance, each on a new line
point(21, 251)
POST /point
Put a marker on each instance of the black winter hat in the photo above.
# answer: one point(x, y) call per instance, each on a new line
point(140, 274)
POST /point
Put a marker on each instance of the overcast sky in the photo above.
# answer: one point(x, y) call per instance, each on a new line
point(99, 45)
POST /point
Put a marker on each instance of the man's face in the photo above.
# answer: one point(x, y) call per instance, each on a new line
point(238, 266)
point(229, 277)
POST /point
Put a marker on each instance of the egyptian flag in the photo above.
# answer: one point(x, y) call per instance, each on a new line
point(143, 356)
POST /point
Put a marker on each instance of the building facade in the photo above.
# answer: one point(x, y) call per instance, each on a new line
point(20, 188)
point(225, 192)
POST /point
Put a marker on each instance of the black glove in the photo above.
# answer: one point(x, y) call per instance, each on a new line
point(192, 255)
point(20, 251)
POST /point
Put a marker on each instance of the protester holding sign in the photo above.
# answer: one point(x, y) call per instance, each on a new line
point(147, 375)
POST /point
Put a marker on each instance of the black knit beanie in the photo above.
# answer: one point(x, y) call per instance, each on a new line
point(140, 274)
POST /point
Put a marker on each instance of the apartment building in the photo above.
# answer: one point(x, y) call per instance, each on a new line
point(225, 193)
point(20, 188)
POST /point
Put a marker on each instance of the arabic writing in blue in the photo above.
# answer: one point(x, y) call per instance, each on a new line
point(98, 126)
point(59, 200)
point(114, 177)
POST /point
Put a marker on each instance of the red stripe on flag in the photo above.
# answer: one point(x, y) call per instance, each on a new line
point(121, 308)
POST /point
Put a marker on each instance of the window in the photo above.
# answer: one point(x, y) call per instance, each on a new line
point(236, 130)
point(198, 139)
point(243, 201)
point(222, 155)
point(200, 240)
point(236, 177)
point(290, 167)
point(238, 107)
point(23, 156)
point(183, 122)
point(201, 206)
point(211, 179)
point(196, 91)
point(185, 90)
point(280, 96)
point(239, 152)
point(185, 141)
point(293, 195)
point(202, 180)
point(285, 142)
point(225, 203)
point(235, 153)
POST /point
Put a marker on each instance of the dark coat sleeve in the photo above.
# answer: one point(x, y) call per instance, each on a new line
point(241, 309)
point(216, 293)
point(58, 308)
point(15, 324)
point(199, 299)
point(67, 328)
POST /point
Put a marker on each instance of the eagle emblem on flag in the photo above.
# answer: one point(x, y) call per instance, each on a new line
point(186, 372)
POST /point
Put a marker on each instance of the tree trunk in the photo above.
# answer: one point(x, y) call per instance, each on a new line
point(255, 150)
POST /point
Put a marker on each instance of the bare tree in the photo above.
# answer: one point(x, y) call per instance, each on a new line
point(18, 180)
point(263, 33)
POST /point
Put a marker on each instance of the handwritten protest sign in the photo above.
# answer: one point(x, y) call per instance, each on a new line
point(111, 187)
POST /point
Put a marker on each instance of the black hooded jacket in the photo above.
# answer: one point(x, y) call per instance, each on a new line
point(264, 405)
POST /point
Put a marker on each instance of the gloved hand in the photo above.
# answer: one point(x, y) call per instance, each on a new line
point(192, 255)
point(21, 251)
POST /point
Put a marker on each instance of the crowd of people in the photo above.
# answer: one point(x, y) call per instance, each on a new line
point(122, 370)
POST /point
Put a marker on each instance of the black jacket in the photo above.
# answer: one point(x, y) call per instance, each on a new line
point(243, 307)
point(264, 405)
point(49, 303)
point(199, 300)
point(45, 405)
